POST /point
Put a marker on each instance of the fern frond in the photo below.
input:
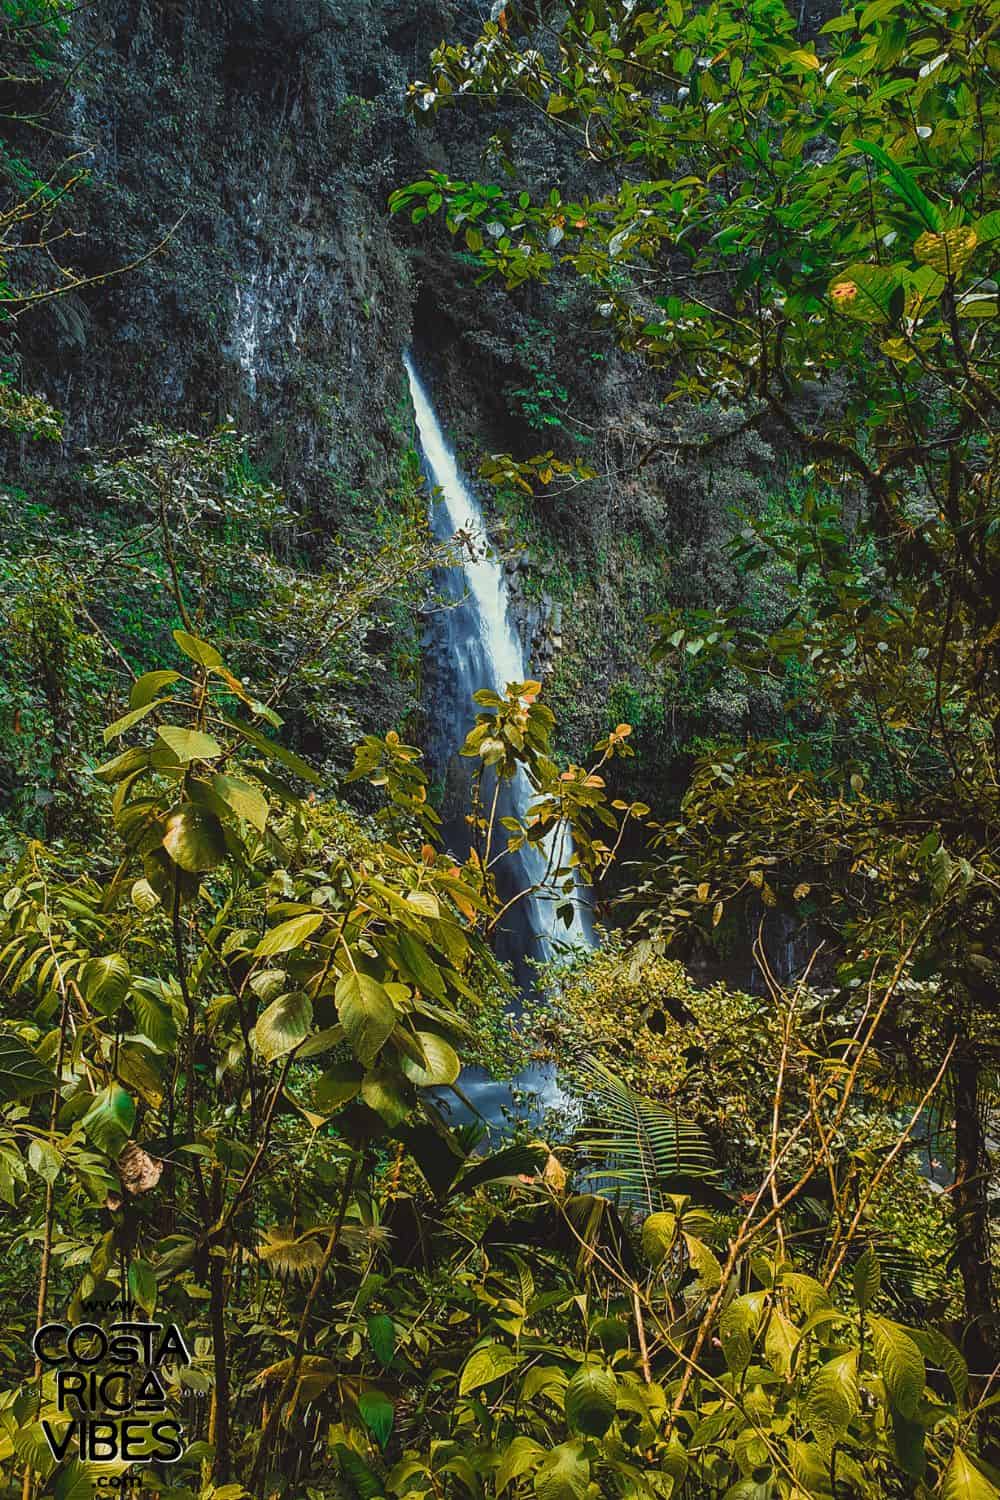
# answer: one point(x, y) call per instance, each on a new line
point(639, 1149)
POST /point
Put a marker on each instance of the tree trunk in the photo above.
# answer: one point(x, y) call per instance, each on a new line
point(972, 1227)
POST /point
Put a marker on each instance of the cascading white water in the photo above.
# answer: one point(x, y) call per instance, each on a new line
point(484, 650)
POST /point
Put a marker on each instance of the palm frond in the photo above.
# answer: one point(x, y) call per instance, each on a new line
point(638, 1150)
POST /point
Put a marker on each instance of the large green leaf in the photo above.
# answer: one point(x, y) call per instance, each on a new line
point(198, 650)
point(564, 1474)
point(868, 294)
point(195, 840)
point(121, 726)
point(366, 1014)
point(384, 1090)
point(833, 1398)
point(939, 1350)
point(485, 1365)
point(590, 1400)
point(900, 1364)
point(420, 967)
point(149, 686)
point(867, 1278)
point(287, 758)
point(339, 1083)
point(153, 1016)
point(284, 1025)
point(904, 183)
point(363, 1480)
point(510, 1162)
point(289, 935)
point(378, 1414)
point(109, 1120)
point(962, 1480)
point(188, 744)
point(443, 1065)
point(105, 982)
point(738, 1327)
point(73, 1483)
point(659, 1233)
point(142, 1285)
point(521, 1454)
point(242, 799)
point(22, 1073)
point(382, 1337)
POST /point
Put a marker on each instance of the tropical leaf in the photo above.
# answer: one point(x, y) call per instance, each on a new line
point(22, 1073)
point(486, 1365)
point(590, 1400)
point(521, 1454)
point(939, 1350)
point(289, 935)
point(187, 745)
point(833, 1398)
point(105, 982)
point(867, 1278)
point(564, 1474)
point(284, 1025)
point(109, 1120)
point(443, 1065)
point(195, 839)
point(868, 294)
point(378, 1414)
point(639, 1148)
point(382, 1337)
point(900, 1364)
point(904, 184)
point(366, 1014)
point(962, 1480)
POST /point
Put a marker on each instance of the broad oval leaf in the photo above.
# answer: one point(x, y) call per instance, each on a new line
point(198, 650)
point(149, 686)
point(659, 1233)
point(366, 1014)
point(590, 1400)
point(195, 840)
point(867, 1279)
point(109, 1120)
point(486, 1365)
point(382, 1337)
point(833, 1398)
point(868, 294)
point(154, 1018)
point(521, 1454)
point(74, 1483)
point(188, 744)
point(284, 1025)
point(443, 1065)
point(289, 935)
point(900, 1364)
point(142, 1285)
point(563, 1475)
point(378, 1414)
point(22, 1072)
point(105, 982)
point(384, 1091)
point(963, 1481)
point(242, 799)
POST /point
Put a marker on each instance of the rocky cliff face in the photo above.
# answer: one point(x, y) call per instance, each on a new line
point(259, 139)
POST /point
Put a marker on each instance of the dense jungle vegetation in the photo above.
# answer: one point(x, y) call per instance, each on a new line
point(752, 1252)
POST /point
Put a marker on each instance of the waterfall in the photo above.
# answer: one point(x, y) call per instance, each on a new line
point(475, 645)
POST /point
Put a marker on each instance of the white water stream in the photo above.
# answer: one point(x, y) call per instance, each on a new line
point(484, 651)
